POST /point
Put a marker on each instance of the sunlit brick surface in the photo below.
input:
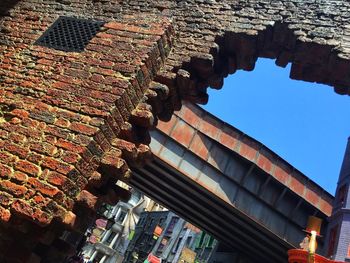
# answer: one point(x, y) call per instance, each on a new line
point(69, 119)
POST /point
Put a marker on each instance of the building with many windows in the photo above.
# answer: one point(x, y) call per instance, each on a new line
point(170, 239)
point(108, 239)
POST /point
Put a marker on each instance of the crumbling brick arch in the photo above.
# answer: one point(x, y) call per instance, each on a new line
point(168, 51)
point(310, 61)
point(215, 39)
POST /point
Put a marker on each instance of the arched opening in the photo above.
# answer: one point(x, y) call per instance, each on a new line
point(311, 61)
point(213, 38)
point(302, 122)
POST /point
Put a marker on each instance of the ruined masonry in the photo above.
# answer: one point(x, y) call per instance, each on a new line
point(73, 123)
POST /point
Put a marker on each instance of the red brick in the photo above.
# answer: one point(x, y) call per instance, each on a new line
point(24, 209)
point(265, 161)
point(12, 188)
point(43, 188)
point(69, 146)
point(312, 197)
point(20, 113)
point(296, 185)
point(4, 134)
point(229, 138)
point(248, 149)
point(182, 133)
point(5, 171)
point(39, 201)
point(5, 199)
point(7, 158)
point(44, 148)
point(56, 165)
point(103, 71)
point(27, 167)
point(167, 127)
point(17, 138)
point(35, 158)
point(19, 177)
point(210, 126)
point(281, 173)
point(70, 157)
point(17, 150)
point(56, 179)
point(69, 219)
point(4, 215)
point(61, 122)
point(200, 146)
point(83, 128)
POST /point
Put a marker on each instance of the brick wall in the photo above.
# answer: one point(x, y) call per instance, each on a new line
point(61, 111)
point(71, 124)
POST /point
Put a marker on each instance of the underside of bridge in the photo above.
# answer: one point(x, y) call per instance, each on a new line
point(197, 205)
point(224, 193)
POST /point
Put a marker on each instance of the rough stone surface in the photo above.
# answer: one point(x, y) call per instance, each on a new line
point(61, 113)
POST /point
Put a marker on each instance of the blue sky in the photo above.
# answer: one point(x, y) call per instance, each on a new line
point(307, 124)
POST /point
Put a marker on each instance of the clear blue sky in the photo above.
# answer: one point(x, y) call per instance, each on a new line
point(307, 124)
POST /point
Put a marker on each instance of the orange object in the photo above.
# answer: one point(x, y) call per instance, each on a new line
point(302, 256)
point(158, 231)
point(314, 224)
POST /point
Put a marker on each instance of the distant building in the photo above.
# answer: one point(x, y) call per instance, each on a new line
point(338, 241)
point(169, 238)
point(147, 231)
point(109, 237)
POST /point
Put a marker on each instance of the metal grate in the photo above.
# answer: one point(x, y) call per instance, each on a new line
point(70, 34)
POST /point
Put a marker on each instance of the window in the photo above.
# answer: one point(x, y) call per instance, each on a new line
point(172, 225)
point(110, 238)
point(210, 242)
point(200, 240)
point(188, 241)
point(342, 194)
point(176, 248)
point(121, 216)
point(150, 223)
point(160, 248)
point(98, 257)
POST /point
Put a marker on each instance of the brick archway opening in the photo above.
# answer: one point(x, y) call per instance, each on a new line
point(178, 49)
point(195, 71)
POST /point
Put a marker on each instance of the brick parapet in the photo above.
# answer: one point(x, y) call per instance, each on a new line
point(193, 127)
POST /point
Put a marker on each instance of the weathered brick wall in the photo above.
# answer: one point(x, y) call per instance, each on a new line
point(61, 111)
point(72, 123)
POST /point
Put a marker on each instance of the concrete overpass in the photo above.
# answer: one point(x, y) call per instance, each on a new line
point(231, 185)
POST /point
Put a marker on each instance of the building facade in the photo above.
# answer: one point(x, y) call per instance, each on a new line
point(338, 247)
point(338, 234)
point(169, 238)
point(147, 231)
point(108, 238)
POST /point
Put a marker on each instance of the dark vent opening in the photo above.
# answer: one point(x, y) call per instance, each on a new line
point(70, 34)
